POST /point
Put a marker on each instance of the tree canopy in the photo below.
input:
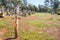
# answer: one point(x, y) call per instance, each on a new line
point(54, 4)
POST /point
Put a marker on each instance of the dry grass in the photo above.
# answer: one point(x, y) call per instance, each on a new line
point(34, 27)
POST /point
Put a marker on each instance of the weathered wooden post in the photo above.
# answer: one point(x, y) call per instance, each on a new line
point(16, 21)
point(15, 27)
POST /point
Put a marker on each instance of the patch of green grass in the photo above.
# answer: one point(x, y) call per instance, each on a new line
point(3, 23)
point(54, 20)
point(56, 25)
point(10, 32)
point(42, 14)
point(27, 35)
point(37, 24)
point(35, 36)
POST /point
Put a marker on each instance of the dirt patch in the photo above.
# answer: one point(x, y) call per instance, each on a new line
point(2, 31)
point(53, 31)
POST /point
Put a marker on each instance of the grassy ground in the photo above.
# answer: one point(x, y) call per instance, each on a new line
point(3, 24)
point(38, 26)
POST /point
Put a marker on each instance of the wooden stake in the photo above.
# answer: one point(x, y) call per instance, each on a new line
point(15, 27)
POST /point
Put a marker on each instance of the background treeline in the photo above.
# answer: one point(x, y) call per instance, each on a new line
point(50, 6)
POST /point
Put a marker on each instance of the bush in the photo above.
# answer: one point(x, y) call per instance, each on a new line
point(58, 13)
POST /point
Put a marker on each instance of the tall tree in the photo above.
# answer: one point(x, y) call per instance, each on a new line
point(54, 4)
